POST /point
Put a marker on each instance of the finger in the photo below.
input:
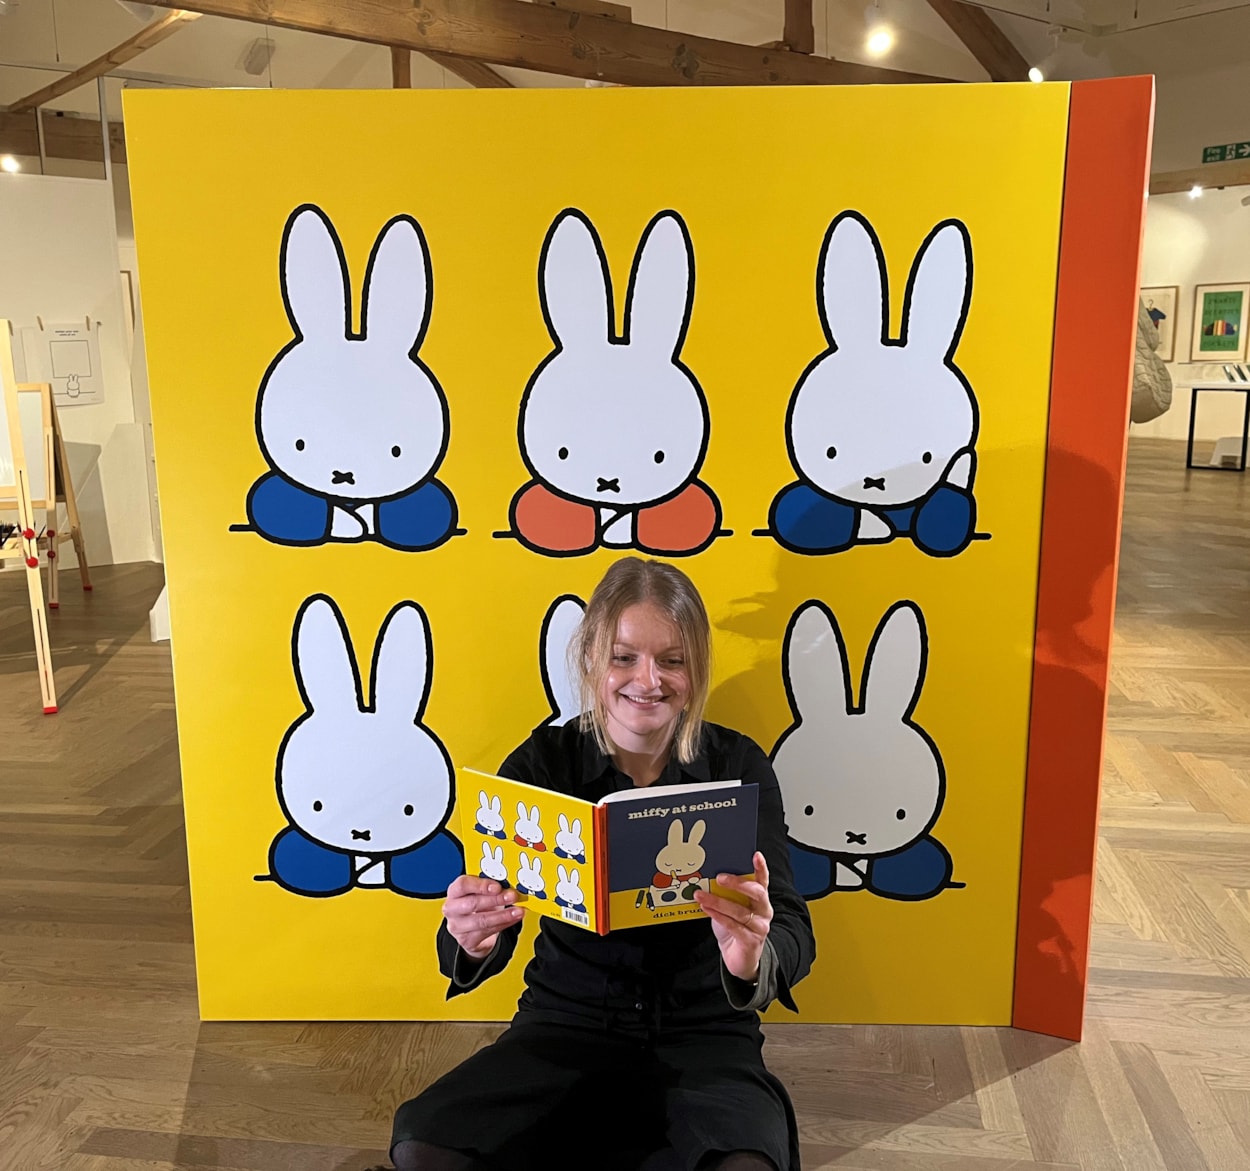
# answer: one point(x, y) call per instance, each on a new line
point(761, 869)
point(472, 884)
point(469, 904)
point(483, 924)
point(747, 918)
point(749, 934)
point(753, 890)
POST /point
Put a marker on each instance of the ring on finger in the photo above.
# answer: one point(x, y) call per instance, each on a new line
point(747, 921)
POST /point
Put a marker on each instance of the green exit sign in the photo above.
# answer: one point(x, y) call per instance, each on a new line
point(1226, 153)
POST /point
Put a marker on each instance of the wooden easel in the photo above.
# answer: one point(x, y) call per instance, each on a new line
point(23, 542)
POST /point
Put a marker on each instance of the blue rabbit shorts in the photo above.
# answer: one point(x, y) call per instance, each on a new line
point(574, 1095)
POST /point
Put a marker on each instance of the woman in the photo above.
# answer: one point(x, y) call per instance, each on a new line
point(640, 1048)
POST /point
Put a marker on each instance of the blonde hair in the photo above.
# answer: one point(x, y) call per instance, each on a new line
point(629, 582)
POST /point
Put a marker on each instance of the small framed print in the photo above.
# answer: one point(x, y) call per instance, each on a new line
point(1160, 302)
point(1219, 330)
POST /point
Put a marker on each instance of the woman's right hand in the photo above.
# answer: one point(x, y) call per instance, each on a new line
point(477, 910)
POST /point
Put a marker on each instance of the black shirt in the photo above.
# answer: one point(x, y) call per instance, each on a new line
point(645, 977)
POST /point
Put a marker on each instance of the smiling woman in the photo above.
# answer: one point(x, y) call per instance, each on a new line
point(656, 1032)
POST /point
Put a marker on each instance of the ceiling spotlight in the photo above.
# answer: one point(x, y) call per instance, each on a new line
point(1036, 74)
point(1195, 191)
point(9, 164)
point(880, 41)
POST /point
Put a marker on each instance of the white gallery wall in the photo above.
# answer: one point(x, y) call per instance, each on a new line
point(59, 261)
point(1193, 242)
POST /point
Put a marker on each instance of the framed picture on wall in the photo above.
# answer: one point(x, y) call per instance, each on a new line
point(1219, 330)
point(1160, 302)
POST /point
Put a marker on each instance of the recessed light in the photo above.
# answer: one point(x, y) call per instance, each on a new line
point(880, 41)
point(1195, 191)
point(1036, 74)
point(9, 164)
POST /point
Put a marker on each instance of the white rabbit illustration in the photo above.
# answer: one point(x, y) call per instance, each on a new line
point(560, 624)
point(614, 429)
point(353, 426)
point(862, 785)
point(680, 859)
point(367, 789)
point(883, 432)
point(569, 842)
point(569, 889)
point(527, 831)
point(492, 865)
point(489, 818)
point(529, 876)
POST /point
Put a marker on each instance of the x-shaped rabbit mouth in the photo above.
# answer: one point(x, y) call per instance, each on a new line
point(869, 482)
point(854, 839)
point(337, 477)
point(361, 835)
point(613, 485)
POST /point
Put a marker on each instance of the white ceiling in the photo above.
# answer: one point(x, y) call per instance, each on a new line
point(1183, 42)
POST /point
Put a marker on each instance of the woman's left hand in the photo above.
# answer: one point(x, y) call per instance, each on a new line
point(740, 931)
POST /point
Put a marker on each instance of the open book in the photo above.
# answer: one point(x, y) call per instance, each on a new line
point(635, 858)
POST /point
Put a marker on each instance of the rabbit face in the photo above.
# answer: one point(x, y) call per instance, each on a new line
point(859, 786)
point(356, 417)
point(679, 855)
point(861, 780)
point(606, 420)
point(351, 787)
point(875, 421)
point(371, 781)
point(881, 433)
point(568, 886)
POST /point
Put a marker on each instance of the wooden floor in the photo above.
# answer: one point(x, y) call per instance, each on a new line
point(105, 1067)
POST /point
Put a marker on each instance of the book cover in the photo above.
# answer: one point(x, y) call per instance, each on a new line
point(632, 860)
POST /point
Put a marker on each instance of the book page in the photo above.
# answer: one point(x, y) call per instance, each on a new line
point(538, 842)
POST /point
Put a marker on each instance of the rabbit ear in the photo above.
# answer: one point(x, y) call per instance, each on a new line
point(938, 291)
point(696, 834)
point(525, 860)
point(851, 284)
point(494, 804)
point(481, 799)
point(538, 864)
point(486, 851)
point(499, 854)
point(564, 824)
point(555, 641)
point(399, 287)
point(661, 287)
point(325, 667)
point(895, 667)
point(564, 874)
point(574, 284)
point(814, 657)
point(314, 276)
point(577, 827)
point(675, 831)
point(402, 663)
point(534, 814)
point(520, 810)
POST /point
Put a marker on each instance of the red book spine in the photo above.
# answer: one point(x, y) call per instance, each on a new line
point(601, 869)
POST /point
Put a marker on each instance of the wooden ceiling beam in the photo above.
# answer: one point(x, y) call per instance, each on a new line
point(552, 40)
point(983, 39)
point(64, 137)
point(144, 39)
point(401, 68)
point(800, 34)
point(1230, 174)
point(474, 72)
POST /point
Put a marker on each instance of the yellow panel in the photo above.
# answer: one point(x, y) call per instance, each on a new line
point(758, 176)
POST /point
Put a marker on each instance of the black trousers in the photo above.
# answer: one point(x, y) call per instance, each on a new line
point(582, 1096)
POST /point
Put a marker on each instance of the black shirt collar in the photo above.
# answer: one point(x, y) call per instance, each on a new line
point(596, 764)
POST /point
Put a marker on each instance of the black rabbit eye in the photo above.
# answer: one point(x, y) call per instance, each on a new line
point(659, 457)
point(395, 451)
point(316, 806)
point(900, 814)
point(299, 445)
point(407, 810)
point(927, 457)
point(563, 453)
point(831, 452)
point(809, 810)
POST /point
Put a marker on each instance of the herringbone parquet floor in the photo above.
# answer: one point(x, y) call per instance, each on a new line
point(105, 1067)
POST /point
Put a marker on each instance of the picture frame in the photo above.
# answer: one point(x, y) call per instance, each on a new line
point(1221, 314)
point(1160, 302)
